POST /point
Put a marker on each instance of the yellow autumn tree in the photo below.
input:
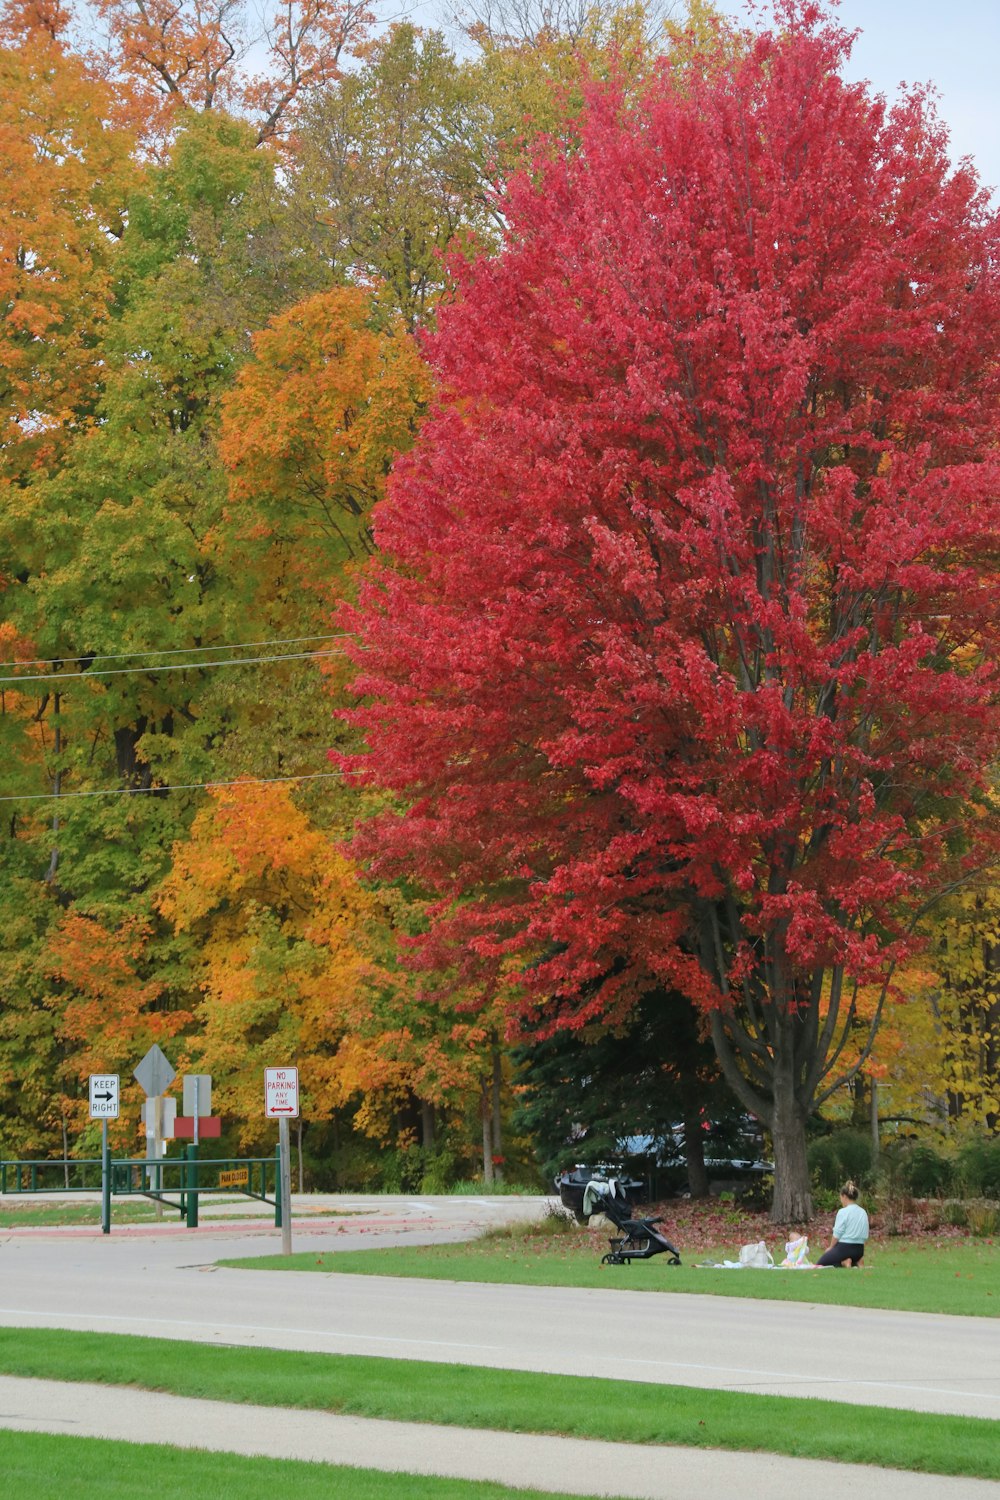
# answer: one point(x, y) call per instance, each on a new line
point(951, 1063)
point(283, 937)
point(67, 173)
point(331, 396)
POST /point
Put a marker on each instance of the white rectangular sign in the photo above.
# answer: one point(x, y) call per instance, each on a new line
point(281, 1093)
point(104, 1096)
point(168, 1114)
point(198, 1094)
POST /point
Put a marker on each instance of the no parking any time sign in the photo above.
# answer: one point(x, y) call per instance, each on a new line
point(281, 1093)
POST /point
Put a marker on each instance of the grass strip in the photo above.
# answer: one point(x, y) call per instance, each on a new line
point(48, 1467)
point(513, 1400)
point(59, 1215)
point(961, 1278)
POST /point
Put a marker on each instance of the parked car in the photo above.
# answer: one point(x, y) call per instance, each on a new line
point(651, 1168)
point(571, 1184)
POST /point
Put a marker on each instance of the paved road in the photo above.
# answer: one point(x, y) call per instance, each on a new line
point(166, 1284)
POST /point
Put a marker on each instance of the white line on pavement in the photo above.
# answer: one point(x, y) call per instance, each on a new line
point(372, 1338)
point(757, 1376)
point(769, 1375)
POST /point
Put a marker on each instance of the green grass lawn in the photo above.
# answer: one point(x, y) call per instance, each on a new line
point(43, 1215)
point(511, 1400)
point(43, 1467)
point(954, 1276)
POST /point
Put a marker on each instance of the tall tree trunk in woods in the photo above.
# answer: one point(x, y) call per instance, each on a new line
point(876, 1144)
point(486, 1114)
point(694, 1152)
point(426, 1125)
point(50, 873)
point(497, 1134)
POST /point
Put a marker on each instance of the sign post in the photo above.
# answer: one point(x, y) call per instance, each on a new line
point(104, 1107)
point(281, 1102)
point(153, 1075)
point(197, 1102)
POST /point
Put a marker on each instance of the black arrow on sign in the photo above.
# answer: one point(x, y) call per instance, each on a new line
point(104, 1096)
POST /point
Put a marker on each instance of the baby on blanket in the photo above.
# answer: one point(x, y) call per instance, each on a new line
point(797, 1254)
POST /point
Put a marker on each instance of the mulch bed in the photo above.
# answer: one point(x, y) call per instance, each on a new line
point(710, 1224)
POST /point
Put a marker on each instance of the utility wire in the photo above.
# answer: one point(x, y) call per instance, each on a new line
point(174, 666)
point(190, 786)
point(55, 661)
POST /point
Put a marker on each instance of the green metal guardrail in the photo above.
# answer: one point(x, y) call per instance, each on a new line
point(26, 1175)
point(142, 1177)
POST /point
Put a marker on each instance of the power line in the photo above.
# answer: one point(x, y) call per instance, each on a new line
point(55, 661)
point(173, 666)
point(189, 786)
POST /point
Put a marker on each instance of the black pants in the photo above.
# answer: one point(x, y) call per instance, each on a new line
point(842, 1251)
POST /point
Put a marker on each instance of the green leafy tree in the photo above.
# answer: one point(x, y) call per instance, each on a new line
point(388, 170)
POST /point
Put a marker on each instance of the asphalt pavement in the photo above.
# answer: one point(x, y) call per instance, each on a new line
point(163, 1281)
point(167, 1284)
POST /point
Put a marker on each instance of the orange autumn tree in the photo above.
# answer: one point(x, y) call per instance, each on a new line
point(334, 389)
point(226, 54)
point(295, 964)
point(109, 1013)
point(333, 393)
point(425, 1068)
point(283, 939)
point(67, 174)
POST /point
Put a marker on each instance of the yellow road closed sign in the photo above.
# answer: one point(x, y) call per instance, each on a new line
point(238, 1177)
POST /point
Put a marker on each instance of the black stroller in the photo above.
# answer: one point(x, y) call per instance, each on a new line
point(639, 1239)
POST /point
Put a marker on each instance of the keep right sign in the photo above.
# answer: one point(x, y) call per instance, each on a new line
point(281, 1093)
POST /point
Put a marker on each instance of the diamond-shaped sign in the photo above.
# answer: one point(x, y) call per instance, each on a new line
point(155, 1073)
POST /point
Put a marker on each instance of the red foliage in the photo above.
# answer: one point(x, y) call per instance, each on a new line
point(682, 653)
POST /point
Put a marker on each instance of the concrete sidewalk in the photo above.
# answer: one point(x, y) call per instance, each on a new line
point(561, 1465)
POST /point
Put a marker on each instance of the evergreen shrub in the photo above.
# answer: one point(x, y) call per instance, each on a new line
point(979, 1167)
point(926, 1172)
point(835, 1158)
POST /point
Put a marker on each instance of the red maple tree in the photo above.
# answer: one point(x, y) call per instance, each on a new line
point(682, 650)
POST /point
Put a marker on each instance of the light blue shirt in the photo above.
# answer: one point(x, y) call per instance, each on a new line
point(851, 1225)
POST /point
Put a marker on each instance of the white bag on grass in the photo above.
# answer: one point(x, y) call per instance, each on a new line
point(757, 1256)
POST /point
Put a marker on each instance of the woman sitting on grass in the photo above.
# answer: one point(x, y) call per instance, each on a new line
point(850, 1231)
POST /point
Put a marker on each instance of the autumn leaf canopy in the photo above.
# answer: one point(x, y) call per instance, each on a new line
point(682, 652)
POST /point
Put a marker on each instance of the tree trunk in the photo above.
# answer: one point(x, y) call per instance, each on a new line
point(777, 1102)
point(694, 1153)
point(486, 1115)
point(874, 1123)
point(50, 874)
point(497, 1124)
point(792, 1197)
point(989, 1050)
point(426, 1125)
